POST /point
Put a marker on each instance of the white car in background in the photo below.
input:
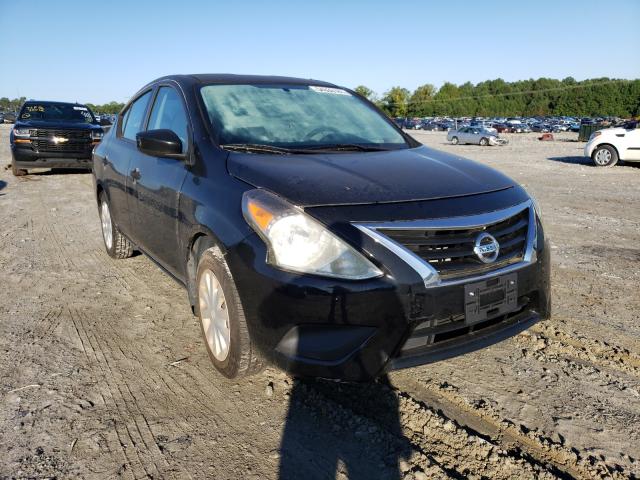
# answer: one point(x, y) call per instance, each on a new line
point(605, 147)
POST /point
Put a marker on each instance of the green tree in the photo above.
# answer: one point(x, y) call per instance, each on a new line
point(420, 102)
point(366, 92)
point(395, 101)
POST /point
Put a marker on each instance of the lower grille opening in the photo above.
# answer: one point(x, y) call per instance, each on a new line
point(434, 332)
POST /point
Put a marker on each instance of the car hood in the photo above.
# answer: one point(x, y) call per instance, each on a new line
point(366, 177)
point(56, 125)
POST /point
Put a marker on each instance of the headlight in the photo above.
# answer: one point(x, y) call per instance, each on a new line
point(299, 243)
point(595, 134)
point(21, 132)
point(97, 134)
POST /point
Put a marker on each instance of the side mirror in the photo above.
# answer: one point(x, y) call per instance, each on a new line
point(160, 143)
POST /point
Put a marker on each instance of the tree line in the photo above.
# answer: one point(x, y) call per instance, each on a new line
point(544, 96)
point(13, 105)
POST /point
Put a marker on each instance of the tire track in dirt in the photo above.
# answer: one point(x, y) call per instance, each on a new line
point(118, 352)
point(547, 337)
point(441, 448)
point(123, 442)
point(481, 417)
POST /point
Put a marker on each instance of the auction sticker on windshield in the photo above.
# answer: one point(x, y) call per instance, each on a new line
point(334, 91)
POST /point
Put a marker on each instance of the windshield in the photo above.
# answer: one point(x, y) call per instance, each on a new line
point(293, 116)
point(56, 112)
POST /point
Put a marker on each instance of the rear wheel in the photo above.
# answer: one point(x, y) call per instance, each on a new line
point(116, 244)
point(604, 156)
point(484, 141)
point(17, 172)
point(222, 319)
point(454, 140)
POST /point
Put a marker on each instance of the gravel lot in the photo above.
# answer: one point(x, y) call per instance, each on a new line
point(103, 373)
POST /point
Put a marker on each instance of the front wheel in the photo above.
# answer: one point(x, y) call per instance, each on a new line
point(454, 140)
point(484, 142)
point(17, 172)
point(222, 319)
point(604, 156)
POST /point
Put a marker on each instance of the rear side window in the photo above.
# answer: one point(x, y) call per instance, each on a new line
point(134, 117)
point(168, 113)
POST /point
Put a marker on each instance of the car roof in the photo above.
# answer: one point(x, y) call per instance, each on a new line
point(52, 101)
point(234, 79)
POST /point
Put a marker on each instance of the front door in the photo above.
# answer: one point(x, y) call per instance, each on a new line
point(632, 144)
point(158, 185)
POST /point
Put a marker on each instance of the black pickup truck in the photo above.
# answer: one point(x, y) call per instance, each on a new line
point(53, 135)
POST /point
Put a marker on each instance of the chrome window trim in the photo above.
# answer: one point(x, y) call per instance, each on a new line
point(429, 275)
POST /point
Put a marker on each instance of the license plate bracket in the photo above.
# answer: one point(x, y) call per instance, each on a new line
point(490, 298)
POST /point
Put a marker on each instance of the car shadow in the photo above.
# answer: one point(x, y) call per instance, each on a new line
point(574, 160)
point(342, 430)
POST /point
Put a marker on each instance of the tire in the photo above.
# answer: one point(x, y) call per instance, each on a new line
point(240, 357)
point(117, 245)
point(17, 172)
point(604, 156)
point(484, 142)
point(455, 140)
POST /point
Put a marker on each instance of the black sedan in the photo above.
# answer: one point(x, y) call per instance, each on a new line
point(309, 231)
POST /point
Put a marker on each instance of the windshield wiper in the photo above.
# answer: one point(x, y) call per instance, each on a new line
point(346, 147)
point(257, 147)
point(334, 147)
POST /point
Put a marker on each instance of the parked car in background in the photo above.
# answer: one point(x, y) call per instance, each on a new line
point(540, 127)
point(346, 281)
point(501, 127)
point(520, 128)
point(606, 147)
point(9, 117)
point(429, 125)
point(475, 136)
point(1, 117)
point(412, 124)
point(53, 135)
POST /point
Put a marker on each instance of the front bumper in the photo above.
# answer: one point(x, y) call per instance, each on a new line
point(589, 148)
point(357, 330)
point(25, 157)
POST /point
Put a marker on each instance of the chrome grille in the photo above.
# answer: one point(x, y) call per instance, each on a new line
point(450, 251)
point(78, 141)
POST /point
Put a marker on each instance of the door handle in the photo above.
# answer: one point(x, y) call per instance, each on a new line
point(135, 174)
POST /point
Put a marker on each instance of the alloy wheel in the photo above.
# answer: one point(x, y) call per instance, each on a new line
point(105, 220)
point(214, 315)
point(603, 157)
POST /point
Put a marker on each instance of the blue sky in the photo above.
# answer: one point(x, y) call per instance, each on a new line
point(101, 51)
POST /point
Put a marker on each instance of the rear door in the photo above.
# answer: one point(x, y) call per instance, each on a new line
point(159, 182)
point(118, 161)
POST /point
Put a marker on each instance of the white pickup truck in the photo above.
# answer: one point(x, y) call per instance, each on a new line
point(607, 146)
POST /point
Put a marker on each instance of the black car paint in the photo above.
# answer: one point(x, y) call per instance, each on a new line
point(174, 209)
point(395, 176)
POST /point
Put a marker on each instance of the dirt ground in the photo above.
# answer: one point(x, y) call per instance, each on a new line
point(103, 373)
